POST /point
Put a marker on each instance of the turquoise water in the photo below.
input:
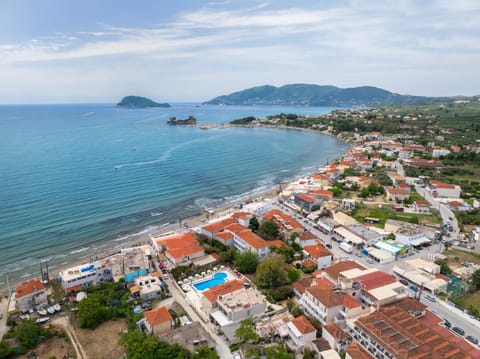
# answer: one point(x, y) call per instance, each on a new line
point(218, 278)
point(75, 179)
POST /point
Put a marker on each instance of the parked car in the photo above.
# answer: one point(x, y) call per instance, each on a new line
point(403, 281)
point(459, 331)
point(370, 260)
point(447, 323)
point(472, 339)
point(329, 246)
point(430, 298)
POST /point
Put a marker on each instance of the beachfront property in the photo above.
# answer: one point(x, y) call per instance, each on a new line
point(248, 241)
point(320, 255)
point(307, 202)
point(30, 295)
point(301, 332)
point(156, 321)
point(78, 277)
point(286, 224)
point(148, 287)
point(178, 248)
point(236, 306)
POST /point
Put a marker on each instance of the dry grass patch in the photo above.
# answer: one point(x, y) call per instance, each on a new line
point(102, 343)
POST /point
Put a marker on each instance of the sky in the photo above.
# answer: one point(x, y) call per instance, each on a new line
point(57, 51)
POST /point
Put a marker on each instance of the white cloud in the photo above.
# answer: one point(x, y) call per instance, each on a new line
point(389, 44)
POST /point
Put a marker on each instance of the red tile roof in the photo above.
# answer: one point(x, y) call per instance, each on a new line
point(224, 235)
point(357, 352)
point(157, 316)
point(375, 280)
point(322, 192)
point(281, 218)
point(317, 251)
point(252, 239)
point(305, 236)
point(350, 302)
point(302, 284)
point(212, 294)
point(323, 283)
point(335, 331)
point(29, 287)
point(306, 198)
point(303, 325)
point(326, 296)
point(235, 228)
point(440, 184)
point(181, 245)
point(335, 270)
point(242, 215)
point(218, 226)
point(276, 243)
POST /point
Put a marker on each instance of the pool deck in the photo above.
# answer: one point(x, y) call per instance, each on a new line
point(194, 296)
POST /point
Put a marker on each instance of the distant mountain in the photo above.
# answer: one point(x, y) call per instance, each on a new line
point(139, 102)
point(316, 95)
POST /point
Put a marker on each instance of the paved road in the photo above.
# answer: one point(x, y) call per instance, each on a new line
point(3, 314)
point(455, 316)
point(222, 348)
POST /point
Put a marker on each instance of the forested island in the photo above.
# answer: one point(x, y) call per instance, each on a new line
point(188, 121)
point(317, 95)
point(139, 102)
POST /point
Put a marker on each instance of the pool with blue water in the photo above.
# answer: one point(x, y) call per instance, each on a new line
point(217, 279)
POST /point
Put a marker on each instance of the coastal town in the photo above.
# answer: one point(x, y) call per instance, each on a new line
point(374, 255)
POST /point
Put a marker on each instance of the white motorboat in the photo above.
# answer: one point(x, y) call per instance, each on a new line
point(42, 320)
point(51, 310)
point(57, 307)
point(42, 312)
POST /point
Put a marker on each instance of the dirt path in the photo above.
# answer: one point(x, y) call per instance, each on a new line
point(65, 324)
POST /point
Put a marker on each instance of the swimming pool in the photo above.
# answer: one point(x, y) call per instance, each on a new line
point(218, 278)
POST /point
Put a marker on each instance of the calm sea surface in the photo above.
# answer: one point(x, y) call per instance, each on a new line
point(78, 178)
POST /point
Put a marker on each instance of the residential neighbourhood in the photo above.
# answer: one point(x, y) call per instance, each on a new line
point(361, 259)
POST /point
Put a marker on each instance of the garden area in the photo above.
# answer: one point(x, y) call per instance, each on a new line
point(362, 211)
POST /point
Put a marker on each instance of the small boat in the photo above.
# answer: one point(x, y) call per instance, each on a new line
point(25, 317)
point(57, 307)
point(42, 320)
point(51, 310)
point(42, 312)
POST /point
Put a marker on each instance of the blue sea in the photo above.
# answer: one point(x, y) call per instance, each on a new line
point(76, 179)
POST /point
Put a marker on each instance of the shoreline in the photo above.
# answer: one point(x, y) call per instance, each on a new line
point(113, 247)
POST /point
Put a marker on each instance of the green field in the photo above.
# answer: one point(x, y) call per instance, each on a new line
point(455, 257)
point(470, 301)
point(384, 213)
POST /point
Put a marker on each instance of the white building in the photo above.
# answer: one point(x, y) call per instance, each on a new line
point(323, 304)
point(302, 332)
point(236, 306)
point(148, 287)
point(30, 295)
point(335, 336)
point(249, 241)
point(84, 275)
point(444, 190)
point(319, 254)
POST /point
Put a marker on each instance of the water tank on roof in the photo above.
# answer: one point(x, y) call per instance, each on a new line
point(87, 268)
